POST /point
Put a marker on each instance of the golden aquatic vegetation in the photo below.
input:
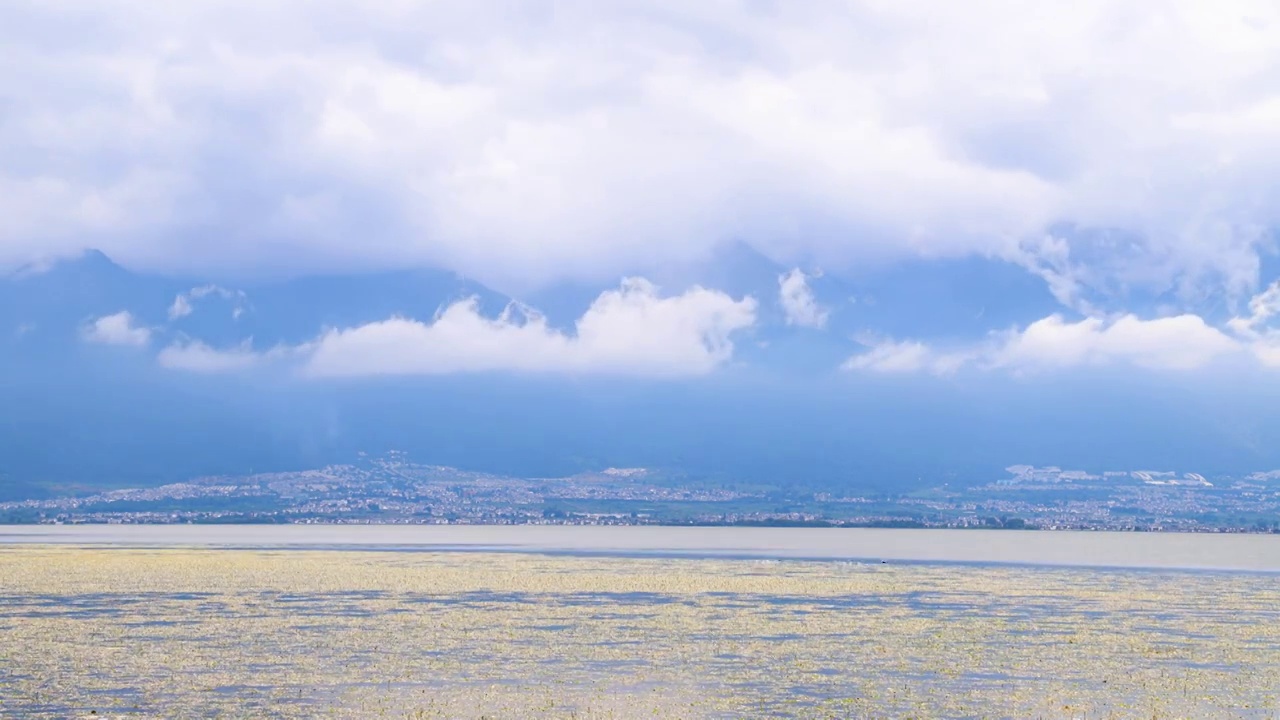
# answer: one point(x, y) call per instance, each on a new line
point(198, 633)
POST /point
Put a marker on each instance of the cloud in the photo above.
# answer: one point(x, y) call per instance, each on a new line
point(180, 308)
point(184, 304)
point(890, 356)
point(628, 331)
point(117, 329)
point(195, 356)
point(1262, 308)
point(798, 302)
point(1267, 351)
point(1256, 329)
point(1182, 342)
point(599, 139)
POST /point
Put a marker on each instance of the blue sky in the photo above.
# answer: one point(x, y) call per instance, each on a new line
point(662, 190)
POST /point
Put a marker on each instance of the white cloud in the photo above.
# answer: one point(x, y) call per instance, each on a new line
point(596, 139)
point(1267, 350)
point(1255, 328)
point(1183, 342)
point(184, 304)
point(180, 308)
point(907, 356)
point(798, 302)
point(630, 331)
point(196, 356)
point(1262, 307)
point(117, 329)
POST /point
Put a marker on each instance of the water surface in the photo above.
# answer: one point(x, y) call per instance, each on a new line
point(179, 632)
point(1208, 551)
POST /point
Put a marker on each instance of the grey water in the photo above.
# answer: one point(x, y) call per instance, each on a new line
point(1191, 551)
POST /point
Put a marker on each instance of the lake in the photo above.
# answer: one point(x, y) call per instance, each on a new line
point(606, 622)
point(1060, 548)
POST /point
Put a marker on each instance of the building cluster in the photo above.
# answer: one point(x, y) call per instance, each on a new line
point(392, 489)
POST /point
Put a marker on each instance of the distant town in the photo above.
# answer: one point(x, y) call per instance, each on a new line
point(393, 489)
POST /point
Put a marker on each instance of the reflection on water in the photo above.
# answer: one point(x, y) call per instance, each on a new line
point(163, 633)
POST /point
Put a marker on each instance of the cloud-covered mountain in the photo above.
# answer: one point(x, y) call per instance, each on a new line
point(743, 382)
point(837, 242)
point(1123, 150)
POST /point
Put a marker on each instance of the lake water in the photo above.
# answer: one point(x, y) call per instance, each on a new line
point(620, 622)
point(1201, 551)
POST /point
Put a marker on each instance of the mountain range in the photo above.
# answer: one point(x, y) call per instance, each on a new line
point(87, 398)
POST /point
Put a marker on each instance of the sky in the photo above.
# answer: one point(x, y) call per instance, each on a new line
point(1124, 158)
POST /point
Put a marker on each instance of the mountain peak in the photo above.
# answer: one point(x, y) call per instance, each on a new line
point(89, 260)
